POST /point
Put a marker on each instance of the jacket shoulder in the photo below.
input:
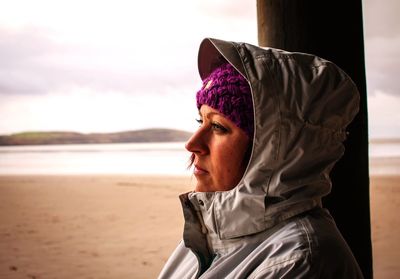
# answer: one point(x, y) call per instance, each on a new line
point(308, 246)
point(181, 264)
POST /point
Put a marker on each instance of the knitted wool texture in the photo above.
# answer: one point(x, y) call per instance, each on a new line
point(227, 91)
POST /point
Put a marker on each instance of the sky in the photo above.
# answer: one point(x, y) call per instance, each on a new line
point(115, 65)
point(382, 55)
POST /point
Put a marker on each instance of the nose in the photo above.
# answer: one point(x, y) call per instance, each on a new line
point(197, 143)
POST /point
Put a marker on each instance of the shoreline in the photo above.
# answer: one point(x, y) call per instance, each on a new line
point(126, 226)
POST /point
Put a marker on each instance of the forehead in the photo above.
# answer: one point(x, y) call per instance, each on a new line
point(207, 110)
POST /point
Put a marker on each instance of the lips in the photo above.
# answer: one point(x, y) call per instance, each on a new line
point(199, 170)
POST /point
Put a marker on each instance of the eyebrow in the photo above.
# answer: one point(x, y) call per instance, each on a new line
point(210, 114)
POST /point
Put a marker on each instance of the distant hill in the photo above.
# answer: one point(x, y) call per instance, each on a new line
point(42, 138)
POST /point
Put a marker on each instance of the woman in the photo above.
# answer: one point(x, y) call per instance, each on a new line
point(272, 125)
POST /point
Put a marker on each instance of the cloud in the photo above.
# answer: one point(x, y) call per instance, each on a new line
point(384, 119)
point(383, 64)
point(381, 18)
point(227, 9)
point(84, 110)
point(382, 45)
point(113, 65)
point(123, 46)
point(21, 53)
point(32, 63)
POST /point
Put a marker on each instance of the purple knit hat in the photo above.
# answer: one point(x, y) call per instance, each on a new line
point(227, 91)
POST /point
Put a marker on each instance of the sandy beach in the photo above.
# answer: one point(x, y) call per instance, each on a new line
point(127, 226)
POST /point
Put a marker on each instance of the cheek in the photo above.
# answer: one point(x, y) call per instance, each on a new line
point(230, 158)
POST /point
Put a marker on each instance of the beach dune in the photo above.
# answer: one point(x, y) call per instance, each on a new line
point(127, 226)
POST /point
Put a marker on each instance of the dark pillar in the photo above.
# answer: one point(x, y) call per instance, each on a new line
point(332, 30)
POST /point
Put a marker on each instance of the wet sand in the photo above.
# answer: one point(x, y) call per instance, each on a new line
point(127, 226)
point(385, 223)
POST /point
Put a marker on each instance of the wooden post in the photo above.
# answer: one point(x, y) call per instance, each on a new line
point(332, 30)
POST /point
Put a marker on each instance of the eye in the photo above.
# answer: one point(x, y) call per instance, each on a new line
point(218, 127)
point(200, 121)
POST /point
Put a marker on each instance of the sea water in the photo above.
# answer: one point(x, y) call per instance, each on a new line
point(137, 158)
point(384, 158)
point(122, 158)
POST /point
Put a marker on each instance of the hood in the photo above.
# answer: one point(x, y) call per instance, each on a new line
point(302, 105)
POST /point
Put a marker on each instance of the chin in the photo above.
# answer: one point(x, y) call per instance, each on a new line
point(203, 187)
point(200, 189)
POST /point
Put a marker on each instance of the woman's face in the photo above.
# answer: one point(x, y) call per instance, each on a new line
point(219, 149)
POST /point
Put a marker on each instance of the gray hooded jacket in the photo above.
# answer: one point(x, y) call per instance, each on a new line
point(272, 224)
